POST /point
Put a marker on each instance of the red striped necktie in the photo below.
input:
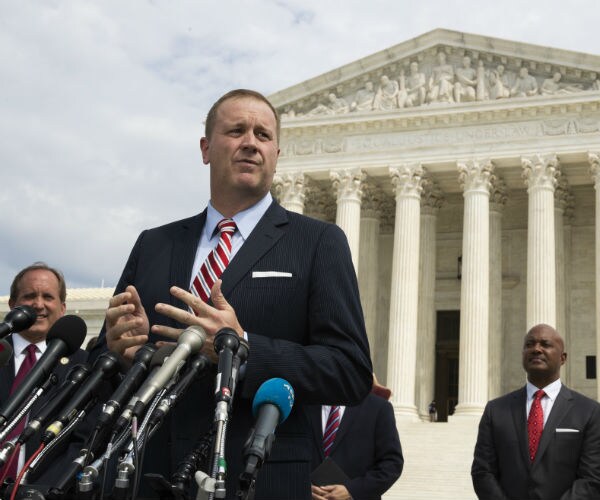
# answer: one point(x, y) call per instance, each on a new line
point(331, 428)
point(216, 262)
point(535, 423)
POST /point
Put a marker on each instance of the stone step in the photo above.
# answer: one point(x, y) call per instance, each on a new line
point(437, 460)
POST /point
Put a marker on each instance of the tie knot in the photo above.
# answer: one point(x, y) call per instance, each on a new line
point(539, 394)
point(30, 350)
point(226, 226)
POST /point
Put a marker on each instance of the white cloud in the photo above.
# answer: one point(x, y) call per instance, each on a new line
point(102, 103)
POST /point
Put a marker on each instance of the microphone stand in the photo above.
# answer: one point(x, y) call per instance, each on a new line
point(227, 342)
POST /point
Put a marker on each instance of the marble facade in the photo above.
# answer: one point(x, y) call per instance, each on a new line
point(458, 154)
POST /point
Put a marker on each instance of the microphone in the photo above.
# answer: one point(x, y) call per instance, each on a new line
point(227, 342)
point(158, 358)
point(18, 319)
point(189, 342)
point(6, 351)
point(272, 404)
point(195, 367)
point(64, 338)
point(74, 379)
point(133, 379)
point(104, 368)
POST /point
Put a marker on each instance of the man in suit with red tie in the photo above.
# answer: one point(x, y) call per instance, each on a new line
point(543, 440)
point(283, 281)
point(363, 442)
point(44, 289)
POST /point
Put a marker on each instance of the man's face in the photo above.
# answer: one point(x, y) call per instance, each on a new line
point(242, 150)
point(543, 354)
point(40, 289)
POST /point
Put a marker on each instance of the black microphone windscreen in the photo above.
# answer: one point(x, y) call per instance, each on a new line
point(21, 317)
point(71, 330)
point(158, 358)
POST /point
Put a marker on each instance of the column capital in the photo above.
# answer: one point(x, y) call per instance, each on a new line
point(432, 197)
point(372, 198)
point(475, 175)
point(408, 179)
point(594, 160)
point(320, 203)
point(347, 183)
point(563, 198)
point(290, 188)
point(540, 171)
point(498, 194)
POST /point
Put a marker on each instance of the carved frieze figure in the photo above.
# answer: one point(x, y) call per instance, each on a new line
point(441, 81)
point(289, 112)
point(525, 85)
point(481, 90)
point(364, 98)
point(387, 94)
point(466, 81)
point(335, 105)
point(552, 86)
point(413, 92)
point(497, 89)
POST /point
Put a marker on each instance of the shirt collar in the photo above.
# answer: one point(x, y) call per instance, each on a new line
point(551, 390)
point(245, 220)
point(21, 343)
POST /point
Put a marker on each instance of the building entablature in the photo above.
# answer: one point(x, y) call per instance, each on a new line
point(441, 67)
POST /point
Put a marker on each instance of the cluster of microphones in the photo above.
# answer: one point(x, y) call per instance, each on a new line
point(144, 393)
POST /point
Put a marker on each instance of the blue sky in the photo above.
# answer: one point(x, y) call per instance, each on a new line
point(102, 103)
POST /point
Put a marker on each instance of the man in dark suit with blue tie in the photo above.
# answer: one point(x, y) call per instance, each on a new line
point(289, 288)
point(543, 440)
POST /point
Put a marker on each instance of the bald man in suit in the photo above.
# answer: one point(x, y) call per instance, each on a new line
point(512, 461)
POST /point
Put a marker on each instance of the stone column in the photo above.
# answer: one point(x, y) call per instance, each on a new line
point(402, 351)
point(431, 201)
point(562, 198)
point(540, 174)
point(474, 177)
point(290, 191)
point(594, 159)
point(368, 270)
point(347, 184)
point(495, 338)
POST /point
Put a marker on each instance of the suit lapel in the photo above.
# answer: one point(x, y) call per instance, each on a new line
point(518, 406)
point(562, 405)
point(184, 253)
point(316, 424)
point(7, 375)
point(266, 233)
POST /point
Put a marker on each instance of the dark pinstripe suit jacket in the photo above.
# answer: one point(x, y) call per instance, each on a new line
point(567, 463)
point(307, 328)
point(48, 468)
point(366, 447)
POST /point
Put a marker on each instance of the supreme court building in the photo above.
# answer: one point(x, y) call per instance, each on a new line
point(464, 170)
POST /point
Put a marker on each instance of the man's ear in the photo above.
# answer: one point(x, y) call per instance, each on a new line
point(204, 147)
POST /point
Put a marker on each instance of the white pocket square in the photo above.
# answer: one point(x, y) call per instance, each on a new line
point(566, 430)
point(271, 274)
